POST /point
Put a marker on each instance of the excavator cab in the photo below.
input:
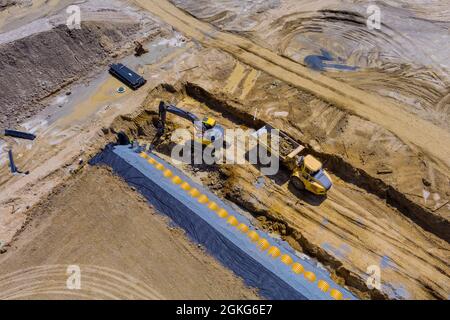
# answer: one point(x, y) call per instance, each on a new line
point(310, 175)
point(209, 123)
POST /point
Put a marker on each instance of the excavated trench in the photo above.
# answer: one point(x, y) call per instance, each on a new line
point(335, 164)
point(220, 180)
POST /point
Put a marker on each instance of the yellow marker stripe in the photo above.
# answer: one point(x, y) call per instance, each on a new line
point(185, 186)
point(203, 199)
point(287, 260)
point(253, 235)
point(310, 276)
point(274, 252)
point(213, 206)
point(243, 228)
point(336, 294)
point(263, 244)
point(232, 221)
point(176, 180)
point(168, 173)
point(222, 213)
point(297, 268)
point(323, 285)
point(195, 193)
point(143, 155)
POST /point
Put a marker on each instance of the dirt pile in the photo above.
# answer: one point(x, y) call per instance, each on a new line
point(39, 65)
point(124, 250)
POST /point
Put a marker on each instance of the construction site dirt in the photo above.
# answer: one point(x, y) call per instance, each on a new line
point(381, 131)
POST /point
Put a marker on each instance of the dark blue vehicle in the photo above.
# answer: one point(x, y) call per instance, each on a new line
point(127, 76)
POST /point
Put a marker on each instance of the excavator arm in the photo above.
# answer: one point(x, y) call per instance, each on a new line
point(164, 108)
point(208, 129)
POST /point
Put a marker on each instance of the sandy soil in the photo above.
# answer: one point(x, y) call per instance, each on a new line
point(348, 231)
point(397, 119)
point(404, 60)
point(388, 153)
point(123, 248)
point(59, 59)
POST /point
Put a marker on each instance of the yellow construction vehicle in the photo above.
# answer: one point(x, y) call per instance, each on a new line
point(309, 175)
point(307, 171)
point(207, 130)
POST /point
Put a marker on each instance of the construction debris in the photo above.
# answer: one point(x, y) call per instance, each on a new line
point(139, 49)
point(384, 171)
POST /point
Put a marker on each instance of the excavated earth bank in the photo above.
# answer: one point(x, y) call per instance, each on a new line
point(37, 66)
point(236, 185)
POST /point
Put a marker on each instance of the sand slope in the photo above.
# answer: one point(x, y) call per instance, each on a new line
point(123, 248)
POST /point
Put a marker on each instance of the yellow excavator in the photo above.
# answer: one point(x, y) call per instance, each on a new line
point(207, 130)
point(307, 172)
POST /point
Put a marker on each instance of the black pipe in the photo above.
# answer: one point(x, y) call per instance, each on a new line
point(19, 134)
point(11, 162)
